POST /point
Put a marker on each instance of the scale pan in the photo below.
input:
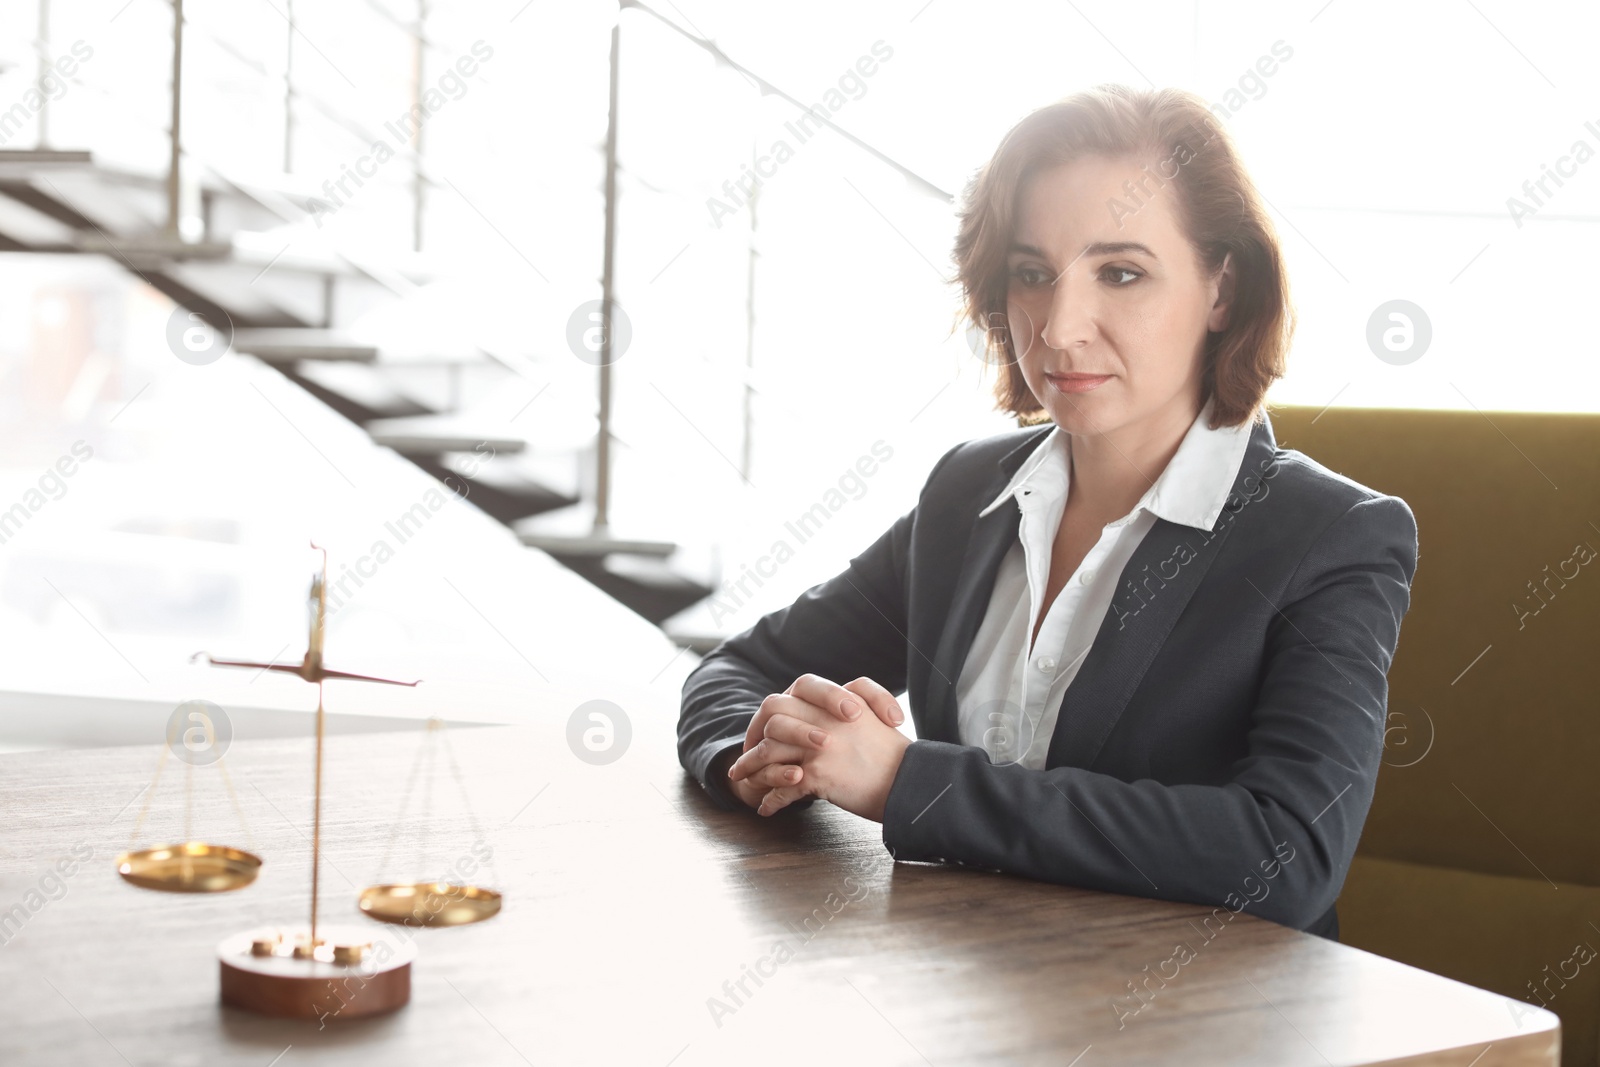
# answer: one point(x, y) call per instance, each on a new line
point(430, 904)
point(192, 867)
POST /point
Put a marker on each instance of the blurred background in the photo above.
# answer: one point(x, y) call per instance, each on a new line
point(274, 271)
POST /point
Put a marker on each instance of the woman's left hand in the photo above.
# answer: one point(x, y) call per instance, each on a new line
point(853, 769)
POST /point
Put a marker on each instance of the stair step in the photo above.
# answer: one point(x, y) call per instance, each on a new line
point(106, 193)
point(280, 346)
point(652, 587)
point(553, 471)
point(358, 391)
point(698, 628)
point(249, 253)
point(570, 534)
point(28, 227)
point(85, 215)
point(651, 571)
point(215, 297)
point(278, 252)
point(437, 434)
point(153, 247)
point(506, 487)
point(31, 158)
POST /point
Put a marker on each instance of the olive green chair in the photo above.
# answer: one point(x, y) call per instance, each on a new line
point(1481, 857)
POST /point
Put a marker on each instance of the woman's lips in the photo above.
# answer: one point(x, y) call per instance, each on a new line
point(1077, 383)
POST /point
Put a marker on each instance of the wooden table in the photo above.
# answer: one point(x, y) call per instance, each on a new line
point(633, 907)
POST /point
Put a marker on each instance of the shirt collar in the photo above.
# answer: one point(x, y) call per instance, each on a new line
point(1052, 448)
point(1191, 490)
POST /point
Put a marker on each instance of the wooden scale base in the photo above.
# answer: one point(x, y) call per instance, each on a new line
point(276, 971)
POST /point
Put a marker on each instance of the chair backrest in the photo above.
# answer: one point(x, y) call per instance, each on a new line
point(1492, 759)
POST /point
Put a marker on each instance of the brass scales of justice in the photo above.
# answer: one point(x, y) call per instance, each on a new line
point(308, 971)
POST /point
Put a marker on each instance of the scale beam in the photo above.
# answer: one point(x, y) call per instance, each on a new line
point(299, 670)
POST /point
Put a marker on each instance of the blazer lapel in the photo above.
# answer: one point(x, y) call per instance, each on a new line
point(991, 536)
point(1142, 613)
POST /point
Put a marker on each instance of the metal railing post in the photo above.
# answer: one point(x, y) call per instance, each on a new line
point(288, 93)
point(418, 182)
point(174, 160)
point(602, 499)
point(43, 41)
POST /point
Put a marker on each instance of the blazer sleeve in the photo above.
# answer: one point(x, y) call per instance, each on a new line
point(853, 625)
point(1279, 834)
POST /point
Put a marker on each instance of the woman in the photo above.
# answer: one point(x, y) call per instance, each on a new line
point(1145, 647)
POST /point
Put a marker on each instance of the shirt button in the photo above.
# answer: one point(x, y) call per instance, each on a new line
point(1047, 663)
point(1087, 576)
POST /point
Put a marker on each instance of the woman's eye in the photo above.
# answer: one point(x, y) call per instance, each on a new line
point(1030, 276)
point(1119, 277)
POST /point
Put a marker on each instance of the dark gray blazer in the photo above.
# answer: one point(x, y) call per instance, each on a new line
point(1221, 740)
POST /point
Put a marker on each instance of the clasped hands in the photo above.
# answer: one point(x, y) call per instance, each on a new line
point(819, 738)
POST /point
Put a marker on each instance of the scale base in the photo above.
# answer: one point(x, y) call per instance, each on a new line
point(276, 971)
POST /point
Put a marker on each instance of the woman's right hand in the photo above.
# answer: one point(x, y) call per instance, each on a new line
point(844, 702)
point(769, 762)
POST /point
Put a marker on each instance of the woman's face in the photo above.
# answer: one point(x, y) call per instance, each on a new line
point(1102, 281)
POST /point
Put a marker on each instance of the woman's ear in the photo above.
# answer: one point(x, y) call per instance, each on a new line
point(1222, 289)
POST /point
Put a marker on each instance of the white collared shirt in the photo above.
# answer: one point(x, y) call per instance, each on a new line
point(1008, 695)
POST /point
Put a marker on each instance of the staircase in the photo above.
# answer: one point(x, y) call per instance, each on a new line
point(300, 313)
point(222, 247)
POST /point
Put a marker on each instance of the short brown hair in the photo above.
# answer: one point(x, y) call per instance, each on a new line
point(1218, 209)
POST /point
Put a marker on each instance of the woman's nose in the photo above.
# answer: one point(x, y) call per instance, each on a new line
point(1070, 321)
